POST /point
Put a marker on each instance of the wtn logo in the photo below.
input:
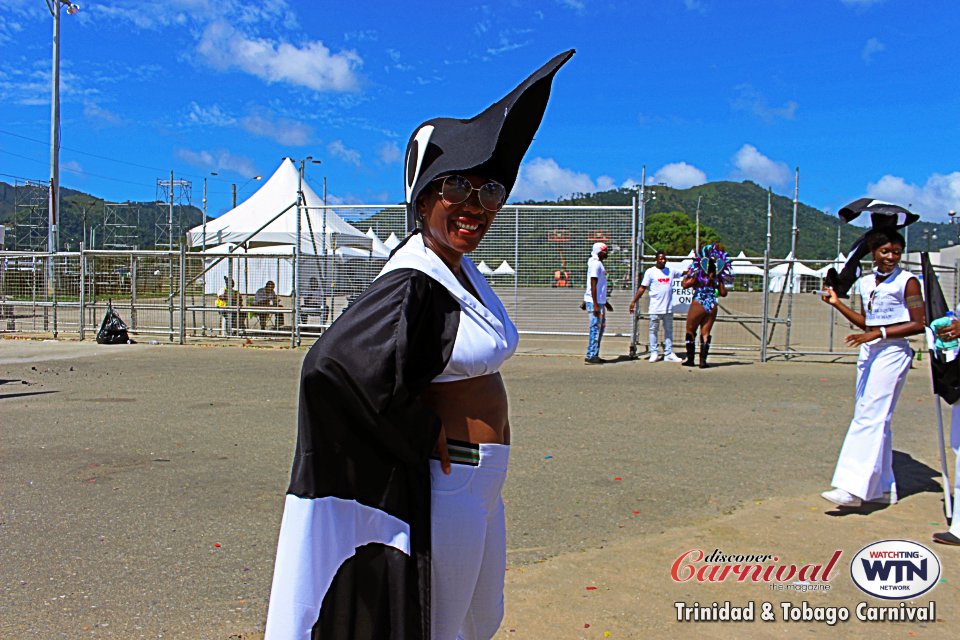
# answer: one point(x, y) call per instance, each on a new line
point(895, 569)
point(903, 570)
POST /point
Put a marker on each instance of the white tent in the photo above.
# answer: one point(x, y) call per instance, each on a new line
point(778, 275)
point(252, 268)
point(378, 250)
point(504, 269)
point(279, 194)
point(743, 267)
point(392, 241)
point(250, 274)
point(484, 268)
point(836, 264)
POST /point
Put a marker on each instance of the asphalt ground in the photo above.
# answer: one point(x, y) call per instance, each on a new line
point(141, 488)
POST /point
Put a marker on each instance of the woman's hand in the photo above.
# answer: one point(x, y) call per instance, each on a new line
point(440, 450)
point(950, 332)
point(830, 296)
point(855, 339)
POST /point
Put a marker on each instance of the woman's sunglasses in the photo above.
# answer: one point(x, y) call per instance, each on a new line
point(457, 189)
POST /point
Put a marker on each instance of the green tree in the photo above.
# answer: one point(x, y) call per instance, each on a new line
point(676, 233)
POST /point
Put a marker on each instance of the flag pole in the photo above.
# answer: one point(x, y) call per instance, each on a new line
point(947, 486)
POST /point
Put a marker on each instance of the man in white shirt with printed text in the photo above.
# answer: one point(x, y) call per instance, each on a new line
point(658, 280)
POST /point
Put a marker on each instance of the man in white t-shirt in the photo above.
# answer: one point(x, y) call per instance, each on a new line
point(658, 279)
point(595, 300)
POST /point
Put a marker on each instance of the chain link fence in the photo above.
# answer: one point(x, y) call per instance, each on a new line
point(534, 257)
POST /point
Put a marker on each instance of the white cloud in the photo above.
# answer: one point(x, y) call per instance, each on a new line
point(311, 65)
point(940, 193)
point(348, 155)
point(753, 165)
point(72, 166)
point(99, 116)
point(679, 175)
point(544, 179)
point(390, 153)
point(218, 161)
point(212, 116)
point(259, 122)
point(871, 48)
point(752, 101)
point(577, 5)
point(282, 130)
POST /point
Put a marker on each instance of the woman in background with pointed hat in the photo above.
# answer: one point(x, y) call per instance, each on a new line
point(378, 540)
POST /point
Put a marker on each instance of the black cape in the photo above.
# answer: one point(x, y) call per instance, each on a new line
point(353, 558)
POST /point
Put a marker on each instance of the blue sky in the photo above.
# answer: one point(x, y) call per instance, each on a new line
point(862, 95)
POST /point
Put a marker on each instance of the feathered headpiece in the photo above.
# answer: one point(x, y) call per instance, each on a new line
point(492, 143)
point(711, 254)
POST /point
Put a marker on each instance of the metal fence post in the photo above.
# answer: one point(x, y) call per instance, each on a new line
point(134, 263)
point(183, 295)
point(634, 243)
point(53, 270)
point(766, 283)
point(793, 252)
point(83, 280)
point(516, 261)
point(170, 278)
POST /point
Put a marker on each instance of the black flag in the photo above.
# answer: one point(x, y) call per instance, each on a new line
point(946, 375)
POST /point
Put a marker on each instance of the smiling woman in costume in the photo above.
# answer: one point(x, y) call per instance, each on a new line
point(893, 311)
point(378, 540)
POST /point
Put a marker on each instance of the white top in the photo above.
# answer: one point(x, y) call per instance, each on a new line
point(486, 336)
point(595, 269)
point(885, 303)
point(659, 284)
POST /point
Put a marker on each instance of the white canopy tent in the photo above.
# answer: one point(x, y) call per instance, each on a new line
point(778, 276)
point(504, 269)
point(836, 264)
point(277, 198)
point(379, 249)
point(743, 267)
point(484, 268)
point(392, 241)
point(252, 268)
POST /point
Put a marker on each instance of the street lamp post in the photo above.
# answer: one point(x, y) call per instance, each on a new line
point(54, 190)
point(233, 188)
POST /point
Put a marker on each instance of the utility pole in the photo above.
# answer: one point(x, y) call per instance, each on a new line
point(697, 243)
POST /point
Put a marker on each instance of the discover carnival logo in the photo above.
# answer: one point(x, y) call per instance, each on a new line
point(718, 566)
point(895, 569)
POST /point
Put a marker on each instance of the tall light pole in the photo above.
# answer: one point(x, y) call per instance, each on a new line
point(54, 190)
point(233, 188)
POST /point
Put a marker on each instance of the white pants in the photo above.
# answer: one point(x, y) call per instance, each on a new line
point(468, 547)
point(955, 445)
point(865, 465)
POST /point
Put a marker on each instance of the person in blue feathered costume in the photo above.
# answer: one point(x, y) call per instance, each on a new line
point(709, 276)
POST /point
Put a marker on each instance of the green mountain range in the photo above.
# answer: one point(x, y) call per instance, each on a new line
point(737, 211)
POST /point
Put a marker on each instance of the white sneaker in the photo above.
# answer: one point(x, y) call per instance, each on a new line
point(886, 498)
point(672, 357)
point(654, 357)
point(842, 498)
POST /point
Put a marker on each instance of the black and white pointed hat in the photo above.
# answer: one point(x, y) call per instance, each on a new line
point(492, 143)
point(882, 214)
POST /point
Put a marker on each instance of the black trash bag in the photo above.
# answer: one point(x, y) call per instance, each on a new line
point(113, 330)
